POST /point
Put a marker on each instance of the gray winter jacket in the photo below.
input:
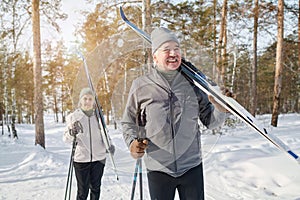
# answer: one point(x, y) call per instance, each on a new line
point(90, 145)
point(172, 128)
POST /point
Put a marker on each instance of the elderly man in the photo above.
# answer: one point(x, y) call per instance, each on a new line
point(172, 105)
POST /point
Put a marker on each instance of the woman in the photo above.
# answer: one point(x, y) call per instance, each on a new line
point(90, 152)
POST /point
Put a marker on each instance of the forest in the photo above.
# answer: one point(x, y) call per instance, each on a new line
point(249, 47)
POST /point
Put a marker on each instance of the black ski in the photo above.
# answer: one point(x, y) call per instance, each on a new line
point(209, 87)
point(100, 117)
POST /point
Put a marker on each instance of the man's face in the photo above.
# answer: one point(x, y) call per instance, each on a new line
point(168, 56)
point(87, 102)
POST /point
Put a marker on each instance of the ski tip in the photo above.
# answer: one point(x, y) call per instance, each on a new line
point(122, 13)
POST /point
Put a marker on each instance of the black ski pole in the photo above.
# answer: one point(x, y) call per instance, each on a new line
point(77, 128)
point(141, 179)
point(70, 186)
point(135, 178)
point(70, 171)
point(140, 122)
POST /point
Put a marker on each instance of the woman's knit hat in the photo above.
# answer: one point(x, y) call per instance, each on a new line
point(160, 36)
point(85, 91)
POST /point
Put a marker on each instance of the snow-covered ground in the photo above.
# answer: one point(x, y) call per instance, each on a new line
point(239, 165)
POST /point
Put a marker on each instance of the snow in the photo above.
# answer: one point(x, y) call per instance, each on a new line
point(239, 164)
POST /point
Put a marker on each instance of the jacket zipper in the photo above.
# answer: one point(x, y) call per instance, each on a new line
point(172, 129)
point(170, 94)
point(91, 147)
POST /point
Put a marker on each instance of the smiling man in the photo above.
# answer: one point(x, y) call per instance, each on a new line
point(171, 107)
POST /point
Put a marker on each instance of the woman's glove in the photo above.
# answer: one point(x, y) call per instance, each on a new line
point(76, 128)
point(111, 149)
point(137, 148)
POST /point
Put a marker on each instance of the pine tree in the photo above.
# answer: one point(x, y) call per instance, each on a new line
point(37, 71)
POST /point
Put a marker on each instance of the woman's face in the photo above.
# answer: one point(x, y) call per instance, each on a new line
point(87, 102)
point(168, 56)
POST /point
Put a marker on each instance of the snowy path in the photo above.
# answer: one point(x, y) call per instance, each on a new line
point(242, 165)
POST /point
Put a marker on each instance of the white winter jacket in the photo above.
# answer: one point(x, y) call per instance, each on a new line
point(90, 145)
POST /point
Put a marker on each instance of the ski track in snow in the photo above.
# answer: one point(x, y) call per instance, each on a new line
point(242, 165)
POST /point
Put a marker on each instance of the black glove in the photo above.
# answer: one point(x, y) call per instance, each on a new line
point(76, 128)
point(111, 149)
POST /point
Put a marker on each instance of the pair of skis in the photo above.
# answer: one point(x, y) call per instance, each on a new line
point(100, 117)
point(99, 114)
point(210, 88)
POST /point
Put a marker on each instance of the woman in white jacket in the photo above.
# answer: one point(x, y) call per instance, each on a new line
point(90, 153)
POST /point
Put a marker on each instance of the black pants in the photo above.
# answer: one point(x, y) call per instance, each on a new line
point(88, 176)
point(190, 185)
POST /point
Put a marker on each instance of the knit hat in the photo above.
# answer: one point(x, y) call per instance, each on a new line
point(160, 36)
point(85, 91)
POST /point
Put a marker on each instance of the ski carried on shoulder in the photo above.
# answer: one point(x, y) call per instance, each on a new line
point(100, 117)
point(211, 88)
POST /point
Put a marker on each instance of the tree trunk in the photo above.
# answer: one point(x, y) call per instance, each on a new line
point(55, 107)
point(253, 96)
point(13, 69)
point(297, 98)
point(146, 21)
point(37, 73)
point(221, 57)
point(278, 68)
point(215, 41)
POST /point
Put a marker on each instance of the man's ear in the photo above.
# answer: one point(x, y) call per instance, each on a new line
point(154, 58)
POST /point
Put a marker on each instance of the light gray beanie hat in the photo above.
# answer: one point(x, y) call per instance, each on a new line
point(85, 91)
point(160, 36)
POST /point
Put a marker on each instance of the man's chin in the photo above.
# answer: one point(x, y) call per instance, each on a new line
point(173, 66)
point(86, 108)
